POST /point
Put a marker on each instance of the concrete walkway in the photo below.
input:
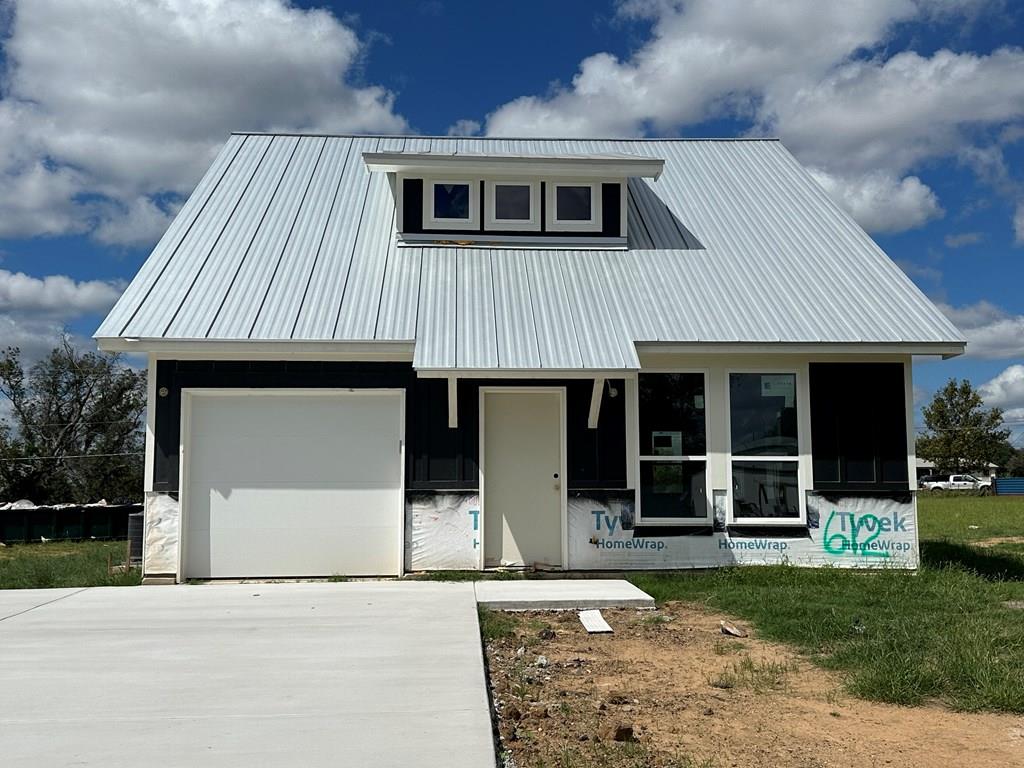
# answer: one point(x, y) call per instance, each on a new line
point(358, 674)
point(560, 594)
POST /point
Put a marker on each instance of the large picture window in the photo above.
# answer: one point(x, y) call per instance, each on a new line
point(673, 449)
point(764, 461)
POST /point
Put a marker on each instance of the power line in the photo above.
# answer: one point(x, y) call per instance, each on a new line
point(79, 456)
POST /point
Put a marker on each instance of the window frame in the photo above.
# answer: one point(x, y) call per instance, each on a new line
point(554, 224)
point(491, 220)
point(800, 460)
point(639, 457)
point(431, 222)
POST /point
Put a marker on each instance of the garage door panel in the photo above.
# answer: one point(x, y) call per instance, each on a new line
point(294, 485)
point(267, 554)
point(230, 460)
point(339, 507)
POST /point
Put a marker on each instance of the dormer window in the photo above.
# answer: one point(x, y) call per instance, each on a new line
point(574, 207)
point(451, 205)
point(513, 206)
point(465, 199)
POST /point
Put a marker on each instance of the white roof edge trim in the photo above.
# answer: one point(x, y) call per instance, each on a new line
point(588, 166)
point(944, 348)
point(398, 351)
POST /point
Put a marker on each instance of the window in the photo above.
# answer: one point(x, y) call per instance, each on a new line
point(451, 205)
point(764, 461)
point(859, 426)
point(574, 206)
point(513, 205)
point(673, 449)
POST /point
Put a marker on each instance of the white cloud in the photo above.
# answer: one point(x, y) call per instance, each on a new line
point(991, 331)
point(55, 295)
point(35, 310)
point(107, 106)
point(881, 202)
point(1006, 390)
point(1018, 224)
point(465, 128)
point(798, 70)
point(962, 239)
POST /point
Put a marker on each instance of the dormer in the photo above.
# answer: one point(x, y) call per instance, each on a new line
point(568, 201)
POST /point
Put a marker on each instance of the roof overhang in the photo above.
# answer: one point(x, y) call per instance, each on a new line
point(945, 349)
point(205, 349)
point(575, 166)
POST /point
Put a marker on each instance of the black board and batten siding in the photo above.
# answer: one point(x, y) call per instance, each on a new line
point(412, 214)
point(437, 458)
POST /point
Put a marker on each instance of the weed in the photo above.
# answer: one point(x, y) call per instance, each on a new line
point(337, 578)
point(760, 676)
point(495, 625)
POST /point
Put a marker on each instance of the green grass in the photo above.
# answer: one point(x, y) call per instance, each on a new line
point(952, 517)
point(495, 625)
point(942, 634)
point(63, 564)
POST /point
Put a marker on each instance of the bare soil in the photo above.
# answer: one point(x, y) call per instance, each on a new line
point(695, 697)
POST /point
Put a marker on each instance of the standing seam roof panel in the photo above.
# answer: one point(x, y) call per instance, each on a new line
point(277, 310)
point(204, 295)
point(180, 228)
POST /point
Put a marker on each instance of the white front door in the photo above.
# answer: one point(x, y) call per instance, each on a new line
point(293, 484)
point(522, 477)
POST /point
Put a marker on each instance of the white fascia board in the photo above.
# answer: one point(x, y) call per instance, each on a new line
point(529, 165)
point(946, 349)
point(199, 349)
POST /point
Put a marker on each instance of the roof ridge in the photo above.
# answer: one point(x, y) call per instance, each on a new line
point(644, 139)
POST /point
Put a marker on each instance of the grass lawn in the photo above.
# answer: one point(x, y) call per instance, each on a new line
point(63, 564)
point(944, 634)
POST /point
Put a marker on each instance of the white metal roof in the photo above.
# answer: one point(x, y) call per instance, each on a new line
point(290, 238)
point(534, 163)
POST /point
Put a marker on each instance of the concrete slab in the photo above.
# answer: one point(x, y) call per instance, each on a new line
point(560, 595)
point(381, 674)
point(17, 601)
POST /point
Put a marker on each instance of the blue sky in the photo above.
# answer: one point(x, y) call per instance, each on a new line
point(910, 112)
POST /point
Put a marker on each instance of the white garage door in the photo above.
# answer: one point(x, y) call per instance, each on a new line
point(293, 485)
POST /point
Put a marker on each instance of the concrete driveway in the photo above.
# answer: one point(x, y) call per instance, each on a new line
point(354, 674)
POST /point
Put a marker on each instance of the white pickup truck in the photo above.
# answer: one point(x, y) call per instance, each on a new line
point(954, 483)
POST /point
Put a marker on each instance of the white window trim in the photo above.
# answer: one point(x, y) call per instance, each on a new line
point(554, 224)
point(701, 522)
point(491, 220)
point(803, 448)
point(432, 222)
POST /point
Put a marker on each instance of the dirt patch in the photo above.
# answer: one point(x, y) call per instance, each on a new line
point(669, 689)
point(995, 541)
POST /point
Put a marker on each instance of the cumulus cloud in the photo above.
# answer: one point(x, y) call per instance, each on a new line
point(881, 202)
point(991, 331)
point(108, 108)
point(1006, 390)
point(816, 74)
point(465, 128)
point(35, 310)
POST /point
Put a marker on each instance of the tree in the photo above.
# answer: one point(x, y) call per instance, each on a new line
point(962, 434)
point(75, 428)
point(1015, 466)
